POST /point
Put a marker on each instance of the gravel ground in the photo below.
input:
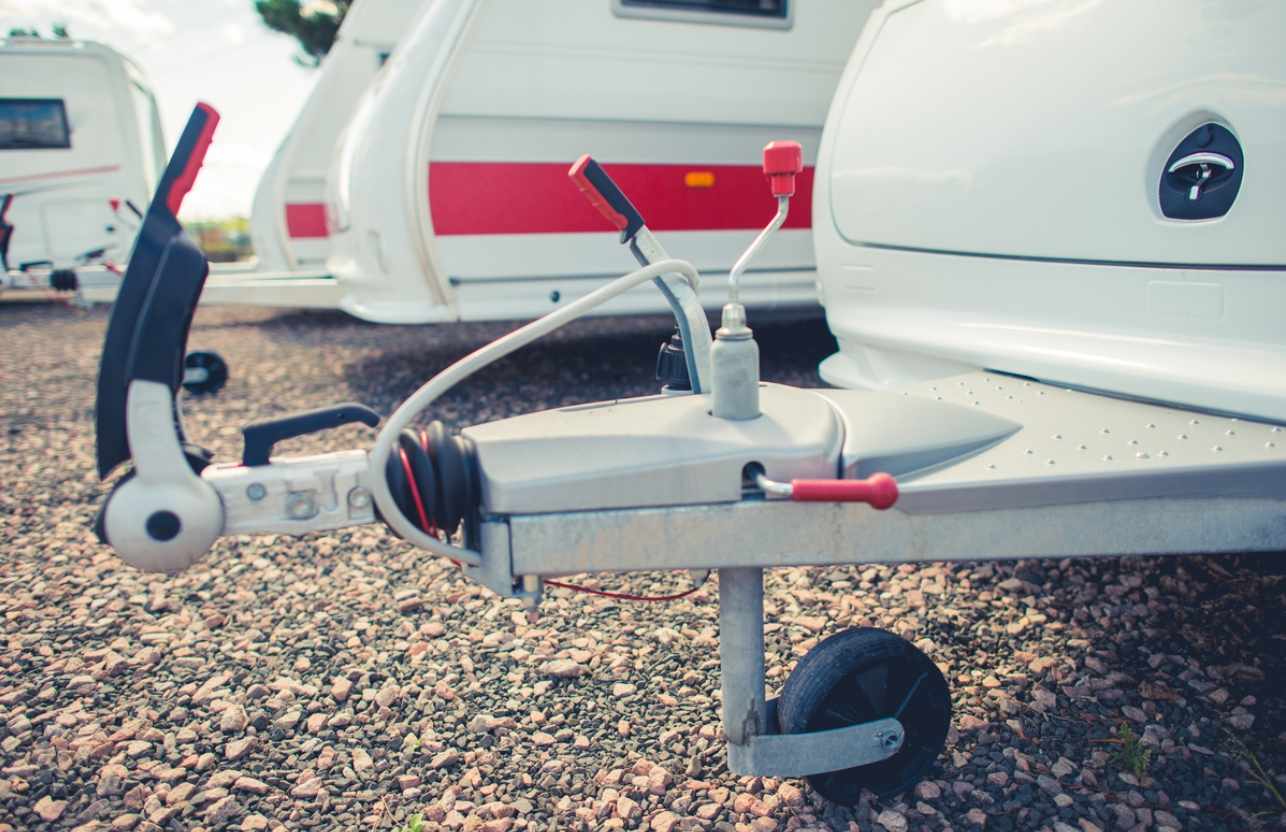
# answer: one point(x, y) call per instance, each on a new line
point(344, 681)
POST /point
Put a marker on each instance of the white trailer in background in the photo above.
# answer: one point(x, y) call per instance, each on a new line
point(448, 199)
point(80, 151)
point(288, 220)
point(1110, 214)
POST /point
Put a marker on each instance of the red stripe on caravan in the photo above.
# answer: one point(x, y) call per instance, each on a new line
point(539, 198)
point(59, 174)
point(306, 220)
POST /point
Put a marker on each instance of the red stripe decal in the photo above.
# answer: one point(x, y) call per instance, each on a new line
point(306, 220)
point(59, 174)
point(537, 198)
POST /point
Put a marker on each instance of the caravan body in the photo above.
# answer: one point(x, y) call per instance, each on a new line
point(449, 198)
point(80, 141)
point(288, 221)
point(1060, 203)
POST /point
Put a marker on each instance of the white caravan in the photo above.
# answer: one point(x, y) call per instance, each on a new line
point(288, 221)
point(80, 151)
point(1089, 194)
point(449, 199)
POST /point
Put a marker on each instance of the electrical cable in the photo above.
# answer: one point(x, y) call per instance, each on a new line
point(622, 596)
point(470, 364)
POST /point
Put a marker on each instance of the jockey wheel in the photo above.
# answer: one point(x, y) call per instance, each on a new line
point(858, 676)
point(204, 372)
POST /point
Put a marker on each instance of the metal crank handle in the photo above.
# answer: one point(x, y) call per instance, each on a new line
point(880, 491)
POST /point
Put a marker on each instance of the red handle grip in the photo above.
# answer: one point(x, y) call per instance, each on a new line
point(189, 155)
point(782, 161)
point(606, 197)
point(879, 490)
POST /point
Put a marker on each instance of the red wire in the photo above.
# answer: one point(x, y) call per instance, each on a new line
point(428, 527)
point(622, 596)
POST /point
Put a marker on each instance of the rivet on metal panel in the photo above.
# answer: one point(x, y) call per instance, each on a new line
point(1230, 433)
point(991, 466)
point(1274, 429)
point(1217, 448)
point(1107, 458)
point(1151, 424)
point(1133, 442)
point(1163, 453)
point(1141, 455)
point(1056, 436)
point(1049, 462)
point(1082, 447)
point(1183, 436)
point(1042, 392)
point(1270, 444)
point(1195, 422)
point(1105, 431)
point(1029, 451)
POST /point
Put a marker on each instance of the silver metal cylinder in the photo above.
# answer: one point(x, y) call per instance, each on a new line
point(741, 652)
point(735, 365)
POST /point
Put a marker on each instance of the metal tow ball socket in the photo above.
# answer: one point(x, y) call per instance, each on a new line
point(159, 528)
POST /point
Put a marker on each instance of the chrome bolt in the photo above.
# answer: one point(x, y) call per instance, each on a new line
point(359, 499)
point(256, 491)
point(300, 505)
point(888, 740)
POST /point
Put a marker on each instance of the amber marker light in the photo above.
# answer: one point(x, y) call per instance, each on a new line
point(699, 179)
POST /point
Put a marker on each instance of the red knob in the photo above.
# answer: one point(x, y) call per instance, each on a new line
point(782, 160)
point(878, 490)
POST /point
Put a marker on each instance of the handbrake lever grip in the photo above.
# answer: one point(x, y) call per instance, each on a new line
point(606, 197)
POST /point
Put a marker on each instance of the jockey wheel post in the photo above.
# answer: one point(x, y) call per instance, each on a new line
point(741, 654)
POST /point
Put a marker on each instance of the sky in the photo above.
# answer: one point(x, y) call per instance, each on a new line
point(216, 51)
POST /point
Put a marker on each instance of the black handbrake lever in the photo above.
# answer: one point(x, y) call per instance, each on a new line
point(148, 331)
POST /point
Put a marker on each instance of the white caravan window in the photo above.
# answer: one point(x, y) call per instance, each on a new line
point(33, 123)
point(772, 13)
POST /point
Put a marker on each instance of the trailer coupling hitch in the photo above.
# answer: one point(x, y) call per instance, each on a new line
point(172, 504)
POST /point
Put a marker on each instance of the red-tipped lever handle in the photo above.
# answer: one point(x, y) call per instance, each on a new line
point(606, 197)
point(181, 172)
point(782, 161)
point(880, 491)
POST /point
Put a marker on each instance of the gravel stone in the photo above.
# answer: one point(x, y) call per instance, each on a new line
point(562, 669)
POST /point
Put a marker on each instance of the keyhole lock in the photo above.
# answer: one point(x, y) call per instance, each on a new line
point(1201, 169)
point(1203, 175)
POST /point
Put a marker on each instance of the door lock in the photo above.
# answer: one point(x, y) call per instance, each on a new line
point(1200, 170)
point(1201, 178)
